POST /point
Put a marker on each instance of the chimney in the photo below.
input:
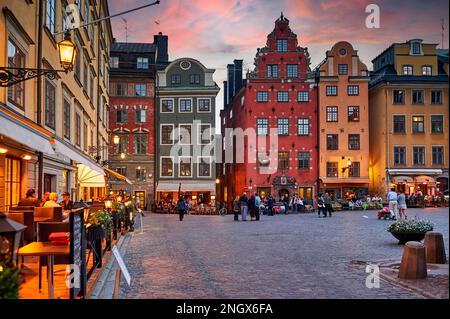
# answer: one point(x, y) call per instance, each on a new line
point(162, 52)
point(230, 69)
point(225, 94)
point(237, 76)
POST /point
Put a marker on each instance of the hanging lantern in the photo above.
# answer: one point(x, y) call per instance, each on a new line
point(67, 52)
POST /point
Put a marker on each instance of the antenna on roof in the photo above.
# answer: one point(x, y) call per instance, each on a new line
point(126, 30)
point(443, 28)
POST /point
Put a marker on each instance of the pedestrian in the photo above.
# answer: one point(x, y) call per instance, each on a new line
point(293, 203)
point(321, 206)
point(236, 208)
point(181, 206)
point(244, 206)
point(402, 205)
point(286, 203)
point(257, 205)
point(30, 199)
point(392, 199)
point(251, 207)
point(270, 204)
point(327, 202)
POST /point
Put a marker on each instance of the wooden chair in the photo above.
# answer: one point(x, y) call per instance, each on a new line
point(44, 231)
point(28, 220)
point(54, 213)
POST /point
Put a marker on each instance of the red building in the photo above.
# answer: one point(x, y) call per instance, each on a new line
point(280, 93)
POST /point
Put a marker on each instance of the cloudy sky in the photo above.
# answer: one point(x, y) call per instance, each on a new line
point(218, 31)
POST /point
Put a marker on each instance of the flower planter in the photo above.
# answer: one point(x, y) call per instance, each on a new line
point(95, 233)
point(403, 238)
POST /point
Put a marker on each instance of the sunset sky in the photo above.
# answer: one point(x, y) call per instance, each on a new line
point(218, 31)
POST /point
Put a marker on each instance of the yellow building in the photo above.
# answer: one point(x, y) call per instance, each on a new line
point(344, 123)
point(408, 103)
point(54, 130)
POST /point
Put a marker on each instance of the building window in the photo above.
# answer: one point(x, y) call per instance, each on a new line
point(85, 137)
point(283, 160)
point(262, 96)
point(121, 89)
point(166, 106)
point(91, 88)
point(175, 79)
point(141, 175)
point(352, 90)
point(332, 169)
point(204, 167)
point(331, 90)
point(141, 116)
point(166, 134)
point(419, 155)
point(262, 126)
point(399, 155)
point(353, 170)
point(66, 119)
point(417, 96)
point(205, 134)
point(436, 97)
point(343, 69)
point(303, 160)
point(166, 167)
point(141, 89)
point(353, 113)
point(283, 96)
point(142, 63)
point(77, 66)
point(272, 71)
point(185, 167)
point(185, 105)
point(122, 171)
point(407, 70)
point(204, 105)
point(282, 45)
point(303, 96)
point(16, 59)
point(398, 96)
point(332, 113)
point(418, 124)
point(332, 142)
point(122, 147)
point(292, 70)
point(353, 142)
point(12, 179)
point(140, 144)
point(303, 126)
point(114, 62)
point(416, 48)
point(399, 124)
point(437, 124)
point(427, 70)
point(50, 106)
point(50, 15)
point(194, 79)
point(283, 126)
point(185, 133)
point(438, 155)
point(122, 116)
point(77, 130)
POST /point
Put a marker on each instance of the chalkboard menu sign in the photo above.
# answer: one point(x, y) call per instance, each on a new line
point(77, 254)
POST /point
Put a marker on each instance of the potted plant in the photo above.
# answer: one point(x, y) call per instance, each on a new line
point(9, 280)
point(410, 230)
point(100, 222)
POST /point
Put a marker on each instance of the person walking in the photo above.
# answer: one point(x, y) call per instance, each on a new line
point(327, 202)
point(236, 208)
point(251, 207)
point(392, 199)
point(181, 207)
point(270, 204)
point(30, 199)
point(257, 205)
point(244, 206)
point(402, 205)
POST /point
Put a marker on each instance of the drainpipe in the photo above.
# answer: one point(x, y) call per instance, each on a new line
point(317, 80)
point(40, 182)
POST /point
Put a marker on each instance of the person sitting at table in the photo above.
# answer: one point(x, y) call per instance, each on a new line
point(30, 199)
point(45, 199)
point(66, 204)
point(52, 202)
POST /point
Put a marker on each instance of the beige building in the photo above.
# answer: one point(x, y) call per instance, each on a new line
point(344, 123)
point(53, 132)
point(408, 103)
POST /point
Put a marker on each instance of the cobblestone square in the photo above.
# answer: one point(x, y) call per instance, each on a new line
point(293, 256)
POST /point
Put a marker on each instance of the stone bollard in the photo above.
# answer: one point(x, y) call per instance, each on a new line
point(414, 265)
point(434, 248)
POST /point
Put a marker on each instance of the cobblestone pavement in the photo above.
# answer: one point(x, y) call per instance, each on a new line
point(293, 256)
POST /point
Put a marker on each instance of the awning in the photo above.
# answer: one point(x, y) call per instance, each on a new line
point(424, 179)
point(402, 179)
point(173, 186)
point(67, 151)
point(414, 171)
point(88, 177)
point(116, 175)
point(18, 130)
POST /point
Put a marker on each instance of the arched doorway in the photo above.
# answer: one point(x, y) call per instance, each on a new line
point(282, 192)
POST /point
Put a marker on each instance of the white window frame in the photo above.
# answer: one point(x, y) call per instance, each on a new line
point(160, 166)
point(210, 167)
point(160, 133)
point(424, 123)
point(179, 133)
point(161, 103)
point(424, 155)
point(443, 155)
point(406, 155)
point(199, 135)
point(140, 111)
point(179, 167)
point(198, 104)
point(187, 99)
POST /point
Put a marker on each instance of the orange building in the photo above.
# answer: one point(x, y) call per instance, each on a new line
point(343, 123)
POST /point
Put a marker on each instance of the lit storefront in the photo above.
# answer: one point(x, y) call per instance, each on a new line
point(411, 181)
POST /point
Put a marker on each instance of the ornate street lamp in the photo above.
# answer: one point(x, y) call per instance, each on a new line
point(67, 52)
point(108, 203)
point(10, 233)
point(116, 140)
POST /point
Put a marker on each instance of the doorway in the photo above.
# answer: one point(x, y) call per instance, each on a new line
point(140, 199)
point(49, 183)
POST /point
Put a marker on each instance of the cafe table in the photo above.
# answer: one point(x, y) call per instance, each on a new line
point(46, 249)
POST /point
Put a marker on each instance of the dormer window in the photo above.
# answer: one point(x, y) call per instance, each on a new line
point(416, 47)
point(282, 45)
point(142, 63)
